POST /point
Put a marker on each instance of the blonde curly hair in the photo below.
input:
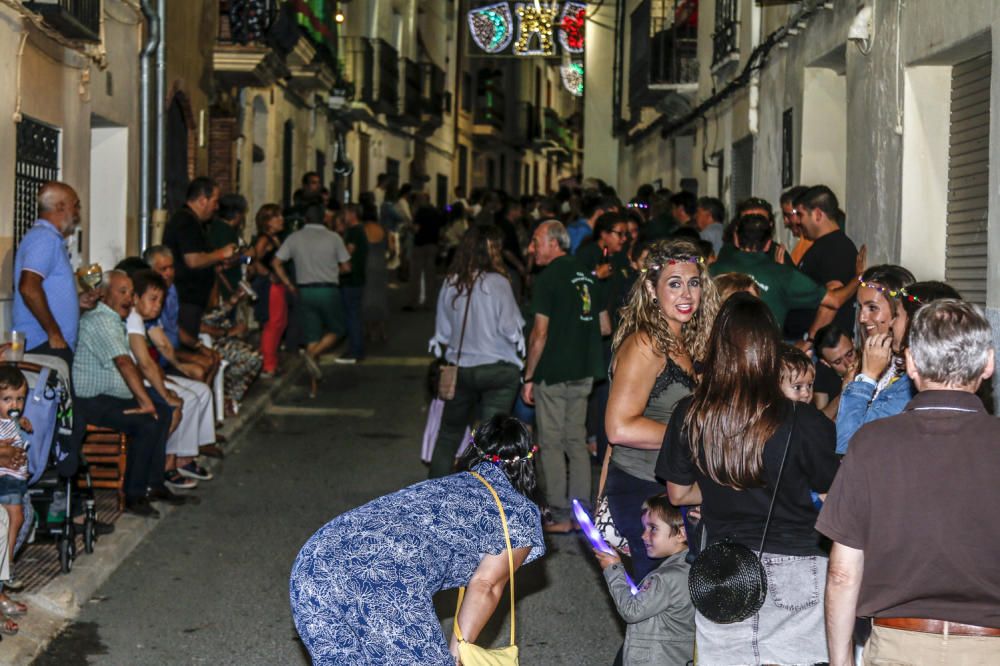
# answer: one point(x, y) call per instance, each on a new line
point(643, 315)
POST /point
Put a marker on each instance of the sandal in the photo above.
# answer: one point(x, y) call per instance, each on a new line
point(12, 608)
point(8, 627)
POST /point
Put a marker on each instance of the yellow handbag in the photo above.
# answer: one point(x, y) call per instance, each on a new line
point(471, 654)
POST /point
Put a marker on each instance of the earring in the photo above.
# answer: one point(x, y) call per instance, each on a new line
point(656, 301)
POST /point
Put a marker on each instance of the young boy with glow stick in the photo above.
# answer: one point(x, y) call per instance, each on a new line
point(660, 615)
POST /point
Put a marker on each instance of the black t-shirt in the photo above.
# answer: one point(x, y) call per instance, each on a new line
point(831, 257)
point(185, 234)
point(740, 514)
point(827, 381)
point(429, 221)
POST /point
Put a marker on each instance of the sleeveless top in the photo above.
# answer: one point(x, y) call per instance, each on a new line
point(670, 387)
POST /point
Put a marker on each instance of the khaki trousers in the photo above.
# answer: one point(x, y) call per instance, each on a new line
point(895, 647)
point(561, 417)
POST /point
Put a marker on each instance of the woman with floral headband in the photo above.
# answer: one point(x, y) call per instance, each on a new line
point(362, 587)
point(881, 388)
point(663, 334)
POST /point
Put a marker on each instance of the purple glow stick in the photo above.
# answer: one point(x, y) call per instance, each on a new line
point(595, 538)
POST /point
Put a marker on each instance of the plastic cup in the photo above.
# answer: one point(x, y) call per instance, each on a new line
point(16, 351)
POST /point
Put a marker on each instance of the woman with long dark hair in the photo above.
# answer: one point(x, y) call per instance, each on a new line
point(663, 332)
point(723, 450)
point(362, 587)
point(882, 387)
point(476, 312)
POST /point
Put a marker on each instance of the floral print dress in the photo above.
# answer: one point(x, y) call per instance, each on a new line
point(362, 586)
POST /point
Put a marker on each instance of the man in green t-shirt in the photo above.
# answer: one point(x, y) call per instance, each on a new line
point(564, 359)
point(781, 286)
point(352, 285)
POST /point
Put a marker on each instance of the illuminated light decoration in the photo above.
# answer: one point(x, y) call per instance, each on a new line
point(534, 19)
point(572, 77)
point(491, 27)
point(595, 538)
point(571, 25)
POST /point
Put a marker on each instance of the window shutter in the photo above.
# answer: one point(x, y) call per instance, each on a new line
point(968, 178)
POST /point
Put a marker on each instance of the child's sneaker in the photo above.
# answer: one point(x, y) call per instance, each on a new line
point(195, 471)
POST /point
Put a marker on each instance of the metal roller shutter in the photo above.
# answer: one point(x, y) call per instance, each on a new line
point(968, 178)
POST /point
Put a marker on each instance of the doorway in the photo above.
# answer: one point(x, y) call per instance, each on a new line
point(106, 228)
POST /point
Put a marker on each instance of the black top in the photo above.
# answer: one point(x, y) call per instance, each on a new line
point(831, 257)
point(185, 234)
point(429, 221)
point(740, 514)
point(827, 381)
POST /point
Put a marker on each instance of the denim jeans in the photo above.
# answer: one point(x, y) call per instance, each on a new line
point(352, 312)
point(481, 392)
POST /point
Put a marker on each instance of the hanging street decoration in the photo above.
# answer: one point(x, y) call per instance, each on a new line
point(541, 24)
point(572, 77)
point(574, 15)
point(534, 20)
point(491, 27)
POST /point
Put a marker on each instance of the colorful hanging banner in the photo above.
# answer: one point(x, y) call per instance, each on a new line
point(540, 26)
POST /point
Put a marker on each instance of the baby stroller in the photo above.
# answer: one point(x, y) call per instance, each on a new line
point(49, 407)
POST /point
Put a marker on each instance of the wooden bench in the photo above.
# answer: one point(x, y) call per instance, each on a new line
point(104, 451)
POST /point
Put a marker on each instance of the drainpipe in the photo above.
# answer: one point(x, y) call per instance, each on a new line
point(161, 92)
point(152, 42)
point(753, 119)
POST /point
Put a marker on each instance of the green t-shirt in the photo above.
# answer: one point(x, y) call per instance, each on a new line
point(781, 286)
point(611, 290)
point(356, 236)
point(658, 228)
point(564, 292)
point(221, 234)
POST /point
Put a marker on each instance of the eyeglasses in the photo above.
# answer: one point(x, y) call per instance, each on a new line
point(621, 234)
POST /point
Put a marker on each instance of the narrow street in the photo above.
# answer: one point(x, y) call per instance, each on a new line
point(210, 585)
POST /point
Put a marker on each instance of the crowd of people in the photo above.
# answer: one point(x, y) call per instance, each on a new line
point(732, 389)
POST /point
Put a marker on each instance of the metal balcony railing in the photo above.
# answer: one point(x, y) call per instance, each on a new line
point(433, 95)
point(76, 19)
point(490, 101)
point(724, 39)
point(673, 59)
point(246, 22)
point(412, 91)
point(525, 129)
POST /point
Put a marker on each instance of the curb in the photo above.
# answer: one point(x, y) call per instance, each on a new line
point(58, 602)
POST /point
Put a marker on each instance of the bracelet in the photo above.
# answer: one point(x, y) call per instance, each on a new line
point(527, 380)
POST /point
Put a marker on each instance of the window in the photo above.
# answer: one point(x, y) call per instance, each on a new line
point(724, 37)
point(787, 149)
point(466, 92)
point(966, 266)
point(673, 54)
point(36, 162)
point(742, 177)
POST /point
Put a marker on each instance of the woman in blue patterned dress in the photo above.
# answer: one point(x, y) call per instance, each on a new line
point(362, 587)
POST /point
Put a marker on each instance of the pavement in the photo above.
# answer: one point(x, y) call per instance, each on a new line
point(208, 584)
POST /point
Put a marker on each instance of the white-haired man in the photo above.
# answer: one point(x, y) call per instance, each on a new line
point(912, 510)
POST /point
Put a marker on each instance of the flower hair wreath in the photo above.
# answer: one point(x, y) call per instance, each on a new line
point(673, 261)
point(900, 293)
point(494, 458)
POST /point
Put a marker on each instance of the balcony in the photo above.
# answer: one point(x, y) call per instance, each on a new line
point(75, 19)
point(371, 68)
point(489, 117)
point(551, 129)
point(525, 130)
point(243, 54)
point(673, 62)
point(387, 77)
point(724, 39)
point(434, 101)
point(412, 90)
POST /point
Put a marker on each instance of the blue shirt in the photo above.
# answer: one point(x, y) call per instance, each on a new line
point(578, 231)
point(168, 320)
point(43, 251)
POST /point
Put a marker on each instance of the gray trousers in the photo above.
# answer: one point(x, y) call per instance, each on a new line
point(561, 418)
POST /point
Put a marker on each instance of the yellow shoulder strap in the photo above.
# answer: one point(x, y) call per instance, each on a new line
point(510, 562)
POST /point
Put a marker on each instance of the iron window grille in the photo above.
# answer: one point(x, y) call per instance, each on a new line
point(724, 37)
point(36, 162)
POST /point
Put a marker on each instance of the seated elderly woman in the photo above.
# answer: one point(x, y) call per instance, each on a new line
point(362, 586)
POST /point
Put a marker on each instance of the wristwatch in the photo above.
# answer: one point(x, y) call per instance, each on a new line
point(862, 377)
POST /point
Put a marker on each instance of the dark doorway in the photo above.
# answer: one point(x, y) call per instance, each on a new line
point(442, 190)
point(176, 158)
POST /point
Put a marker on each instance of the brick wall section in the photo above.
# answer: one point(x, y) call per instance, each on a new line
point(222, 132)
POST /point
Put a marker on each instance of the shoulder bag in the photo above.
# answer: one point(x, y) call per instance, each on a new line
point(728, 582)
point(602, 512)
point(448, 373)
point(471, 654)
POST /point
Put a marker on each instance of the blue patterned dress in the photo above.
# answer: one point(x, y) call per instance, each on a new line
point(362, 586)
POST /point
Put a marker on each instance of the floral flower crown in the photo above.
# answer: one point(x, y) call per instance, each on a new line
point(494, 458)
point(673, 261)
point(900, 293)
